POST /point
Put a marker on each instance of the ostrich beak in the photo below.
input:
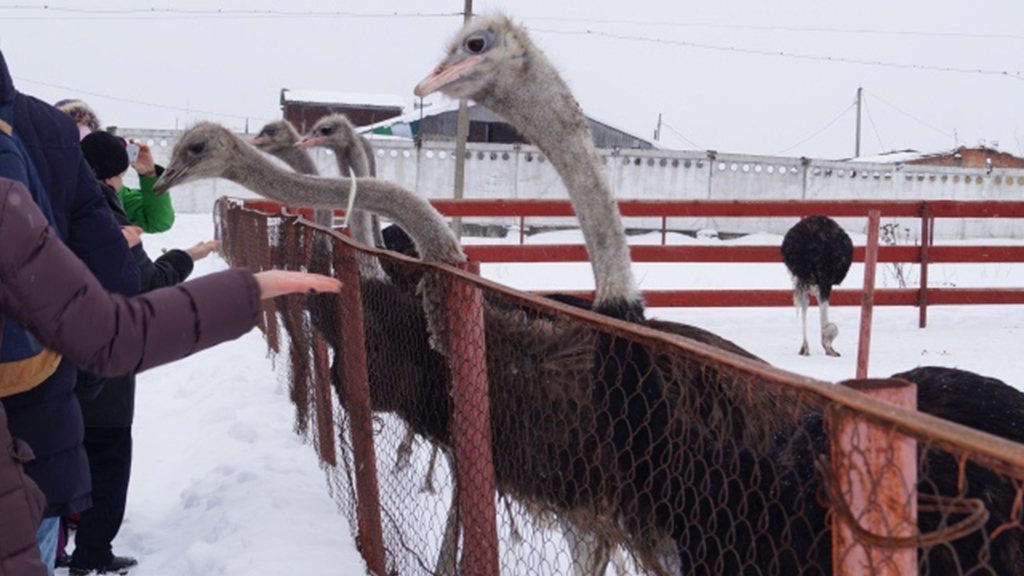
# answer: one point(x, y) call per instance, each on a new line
point(442, 76)
point(171, 176)
point(309, 141)
point(258, 140)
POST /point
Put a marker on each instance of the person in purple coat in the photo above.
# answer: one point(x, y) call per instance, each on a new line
point(47, 416)
point(47, 289)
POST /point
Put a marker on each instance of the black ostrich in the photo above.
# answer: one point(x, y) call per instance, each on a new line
point(818, 254)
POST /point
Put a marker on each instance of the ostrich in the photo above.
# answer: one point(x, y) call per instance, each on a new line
point(818, 254)
point(555, 446)
point(409, 377)
point(278, 138)
point(494, 63)
point(354, 155)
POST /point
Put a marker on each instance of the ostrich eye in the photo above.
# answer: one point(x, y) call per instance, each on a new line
point(326, 131)
point(270, 132)
point(197, 147)
point(476, 44)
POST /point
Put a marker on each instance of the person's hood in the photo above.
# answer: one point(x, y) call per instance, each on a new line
point(6, 84)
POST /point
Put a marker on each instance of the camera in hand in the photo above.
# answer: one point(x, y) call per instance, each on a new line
point(133, 152)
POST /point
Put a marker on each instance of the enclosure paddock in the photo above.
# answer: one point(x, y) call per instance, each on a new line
point(838, 489)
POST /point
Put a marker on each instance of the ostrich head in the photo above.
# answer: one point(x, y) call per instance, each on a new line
point(334, 130)
point(485, 53)
point(204, 151)
point(276, 136)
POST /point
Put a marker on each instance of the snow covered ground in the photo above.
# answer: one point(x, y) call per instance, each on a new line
point(223, 486)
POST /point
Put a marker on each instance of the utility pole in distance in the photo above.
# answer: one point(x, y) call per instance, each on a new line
point(461, 134)
point(860, 93)
point(657, 131)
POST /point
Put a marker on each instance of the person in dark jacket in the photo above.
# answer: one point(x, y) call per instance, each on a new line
point(48, 290)
point(108, 415)
point(47, 416)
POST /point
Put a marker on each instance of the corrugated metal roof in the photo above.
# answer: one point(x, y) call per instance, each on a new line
point(354, 98)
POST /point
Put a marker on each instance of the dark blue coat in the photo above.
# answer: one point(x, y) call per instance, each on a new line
point(48, 417)
point(114, 405)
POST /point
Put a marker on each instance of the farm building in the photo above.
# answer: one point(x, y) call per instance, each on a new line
point(304, 107)
point(438, 122)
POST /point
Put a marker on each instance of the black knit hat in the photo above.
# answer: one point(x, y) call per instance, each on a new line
point(105, 154)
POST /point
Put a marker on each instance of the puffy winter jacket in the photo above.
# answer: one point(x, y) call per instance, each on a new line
point(48, 290)
point(21, 507)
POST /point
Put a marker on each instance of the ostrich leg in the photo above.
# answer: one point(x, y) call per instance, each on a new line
point(447, 557)
point(802, 299)
point(829, 331)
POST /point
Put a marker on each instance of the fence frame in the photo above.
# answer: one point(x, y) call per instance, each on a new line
point(1003, 456)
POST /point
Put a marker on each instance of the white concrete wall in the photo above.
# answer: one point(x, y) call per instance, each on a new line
point(522, 172)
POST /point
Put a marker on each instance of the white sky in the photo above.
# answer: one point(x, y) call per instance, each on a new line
point(185, 65)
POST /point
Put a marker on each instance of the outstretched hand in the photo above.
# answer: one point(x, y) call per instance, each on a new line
point(202, 249)
point(274, 283)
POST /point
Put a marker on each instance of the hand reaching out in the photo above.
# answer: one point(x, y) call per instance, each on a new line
point(274, 283)
point(203, 249)
point(132, 235)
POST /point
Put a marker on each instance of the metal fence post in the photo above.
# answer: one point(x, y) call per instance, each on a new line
point(927, 230)
point(472, 427)
point(352, 355)
point(867, 298)
point(875, 469)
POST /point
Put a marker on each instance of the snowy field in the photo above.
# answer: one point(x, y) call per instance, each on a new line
point(222, 486)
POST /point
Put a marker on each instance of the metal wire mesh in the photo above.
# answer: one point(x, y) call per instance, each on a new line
point(468, 427)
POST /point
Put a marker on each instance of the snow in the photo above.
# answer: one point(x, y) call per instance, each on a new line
point(223, 486)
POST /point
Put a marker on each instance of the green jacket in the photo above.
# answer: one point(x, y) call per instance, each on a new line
point(144, 208)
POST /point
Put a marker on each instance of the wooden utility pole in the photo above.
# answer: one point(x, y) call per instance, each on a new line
point(657, 131)
point(461, 134)
point(860, 93)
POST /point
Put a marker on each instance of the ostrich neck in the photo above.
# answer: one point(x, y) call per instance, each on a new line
point(298, 159)
point(354, 157)
point(542, 109)
point(434, 240)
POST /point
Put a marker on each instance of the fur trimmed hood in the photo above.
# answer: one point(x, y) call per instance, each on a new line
point(82, 114)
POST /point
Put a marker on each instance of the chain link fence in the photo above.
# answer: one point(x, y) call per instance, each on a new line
point(469, 428)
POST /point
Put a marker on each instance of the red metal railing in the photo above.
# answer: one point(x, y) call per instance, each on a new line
point(924, 254)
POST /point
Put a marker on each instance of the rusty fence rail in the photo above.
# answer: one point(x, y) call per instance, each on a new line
point(923, 254)
point(469, 428)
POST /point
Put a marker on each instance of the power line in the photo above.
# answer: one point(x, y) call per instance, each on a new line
point(187, 14)
point(784, 28)
point(873, 127)
point(681, 137)
point(911, 116)
point(812, 136)
point(1016, 75)
point(153, 11)
point(71, 90)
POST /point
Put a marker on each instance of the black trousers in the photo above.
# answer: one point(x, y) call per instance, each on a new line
point(110, 465)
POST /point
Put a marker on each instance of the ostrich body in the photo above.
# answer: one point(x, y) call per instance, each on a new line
point(818, 254)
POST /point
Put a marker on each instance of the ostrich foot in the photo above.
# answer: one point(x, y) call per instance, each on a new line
point(404, 452)
point(805, 350)
point(831, 352)
point(428, 482)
